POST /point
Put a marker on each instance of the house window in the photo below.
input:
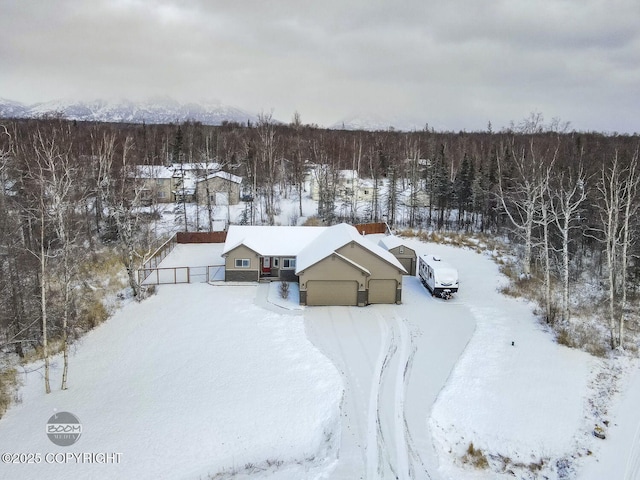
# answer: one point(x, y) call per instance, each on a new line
point(289, 263)
point(162, 194)
point(242, 263)
point(276, 262)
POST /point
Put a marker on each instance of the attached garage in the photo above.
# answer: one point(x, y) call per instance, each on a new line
point(382, 291)
point(332, 292)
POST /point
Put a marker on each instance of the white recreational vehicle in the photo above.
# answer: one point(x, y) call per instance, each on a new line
point(440, 278)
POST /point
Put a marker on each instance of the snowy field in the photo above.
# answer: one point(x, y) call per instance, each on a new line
point(193, 381)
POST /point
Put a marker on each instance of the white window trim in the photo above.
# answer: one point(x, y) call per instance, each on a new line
point(290, 261)
point(242, 263)
point(276, 262)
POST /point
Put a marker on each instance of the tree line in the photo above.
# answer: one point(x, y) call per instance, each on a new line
point(568, 200)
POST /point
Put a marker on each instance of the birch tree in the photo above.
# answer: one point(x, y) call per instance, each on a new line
point(267, 151)
point(57, 177)
point(520, 198)
point(629, 192)
point(567, 200)
point(544, 220)
point(618, 189)
point(123, 205)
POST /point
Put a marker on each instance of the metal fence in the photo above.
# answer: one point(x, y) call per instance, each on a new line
point(151, 274)
point(161, 252)
point(175, 275)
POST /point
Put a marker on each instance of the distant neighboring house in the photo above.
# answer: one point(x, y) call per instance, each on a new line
point(181, 181)
point(157, 183)
point(222, 188)
point(399, 249)
point(348, 184)
point(333, 265)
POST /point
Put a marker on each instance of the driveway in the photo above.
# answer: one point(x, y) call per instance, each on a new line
point(393, 359)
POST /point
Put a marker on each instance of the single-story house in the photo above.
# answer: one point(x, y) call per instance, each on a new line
point(333, 265)
point(398, 247)
point(255, 252)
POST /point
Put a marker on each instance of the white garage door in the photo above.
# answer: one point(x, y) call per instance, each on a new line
point(330, 292)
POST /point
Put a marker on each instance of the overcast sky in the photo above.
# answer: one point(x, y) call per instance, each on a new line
point(454, 64)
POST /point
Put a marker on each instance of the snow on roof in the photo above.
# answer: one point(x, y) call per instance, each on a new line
point(391, 241)
point(437, 263)
point(271, 240)
point(357, 265)
point(224, 175)
point(334, 238)
point(152, 171)
point(348, 174)
point(200, 167)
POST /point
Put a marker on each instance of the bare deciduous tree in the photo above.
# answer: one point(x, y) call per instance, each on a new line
point(567, 199)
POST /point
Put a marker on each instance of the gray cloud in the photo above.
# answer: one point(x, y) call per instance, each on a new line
point(455, 64)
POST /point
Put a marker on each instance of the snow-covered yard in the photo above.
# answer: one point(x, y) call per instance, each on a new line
point(193, 381)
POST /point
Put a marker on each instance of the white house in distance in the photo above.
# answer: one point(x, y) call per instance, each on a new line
point(348, 185)
point(333, 265)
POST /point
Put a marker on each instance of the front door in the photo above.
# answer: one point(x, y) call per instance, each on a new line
point(266, 265)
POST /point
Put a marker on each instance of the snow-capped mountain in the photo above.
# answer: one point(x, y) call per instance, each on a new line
point(11, 109)
point(376, 122)
point(156, 110)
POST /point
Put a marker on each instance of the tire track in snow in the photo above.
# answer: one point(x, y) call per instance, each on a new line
point(383, 449)
point(417, 468)
point(402, 448)
point(632, 470)
point(398, 457)
point(375, 352)
point(373, 420)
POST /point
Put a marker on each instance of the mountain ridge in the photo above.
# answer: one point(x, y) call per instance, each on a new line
point(152, 111)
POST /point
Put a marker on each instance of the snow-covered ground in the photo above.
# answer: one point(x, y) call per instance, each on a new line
point(202, 380)
point(194, 381)
point(394, 359)
point(619, 455)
